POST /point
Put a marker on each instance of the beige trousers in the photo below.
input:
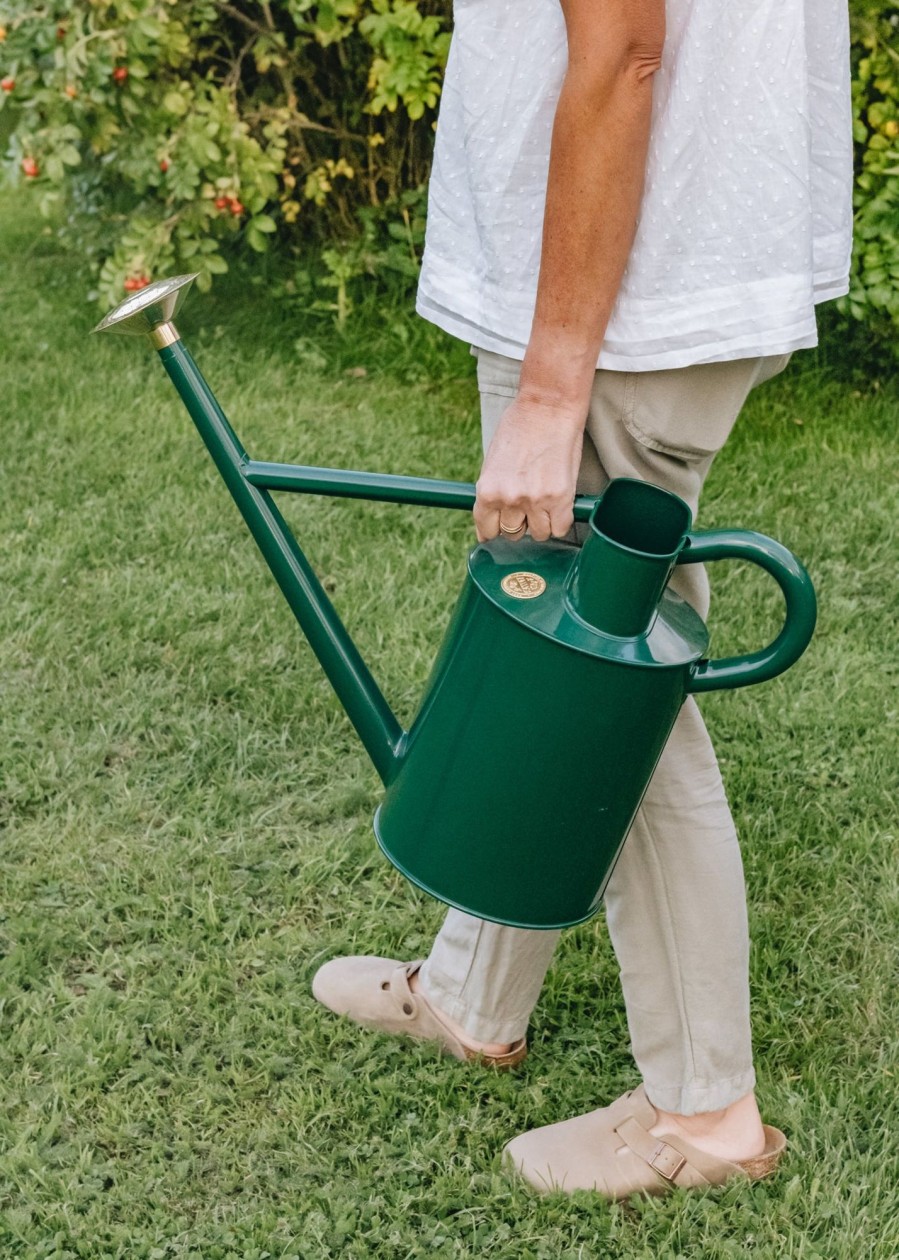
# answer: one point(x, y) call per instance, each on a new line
point(676, 903)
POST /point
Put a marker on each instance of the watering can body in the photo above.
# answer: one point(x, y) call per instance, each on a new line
point(559, 679)
point(535, 742)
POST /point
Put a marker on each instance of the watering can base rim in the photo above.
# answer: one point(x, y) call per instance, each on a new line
point(479, 914)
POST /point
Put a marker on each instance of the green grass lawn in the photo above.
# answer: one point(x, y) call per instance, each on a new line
point(185, 818)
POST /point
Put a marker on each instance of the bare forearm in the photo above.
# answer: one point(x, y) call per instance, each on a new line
point(596, 174)
point(595, 183)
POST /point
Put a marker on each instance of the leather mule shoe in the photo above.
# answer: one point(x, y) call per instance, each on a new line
point(612, 1152)
point(375, 992)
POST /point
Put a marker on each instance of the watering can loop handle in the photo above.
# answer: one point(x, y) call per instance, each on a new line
point(798, 592)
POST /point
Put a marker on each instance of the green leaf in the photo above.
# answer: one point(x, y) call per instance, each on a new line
point(255, 239)
point(263, 223)
point(175, 103)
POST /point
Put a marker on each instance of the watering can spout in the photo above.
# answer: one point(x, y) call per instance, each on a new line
point(151, 312)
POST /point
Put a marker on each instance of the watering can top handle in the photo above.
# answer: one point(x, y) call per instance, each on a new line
point(798, 592)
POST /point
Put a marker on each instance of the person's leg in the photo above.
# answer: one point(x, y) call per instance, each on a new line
point(675, 905)
point(485, 979)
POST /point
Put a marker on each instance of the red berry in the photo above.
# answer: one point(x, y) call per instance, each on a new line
point(164, 165)
point(60, 32)
point(8, 83)
point(30, 168)
point(237, 208)
point(71, 91)
point(120, 74)
point(221, 203)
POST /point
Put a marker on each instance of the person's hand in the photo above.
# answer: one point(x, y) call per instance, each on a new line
point(529, 476)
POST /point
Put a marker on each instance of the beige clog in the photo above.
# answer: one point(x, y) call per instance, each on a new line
point(611, 1151)
point(375, 992)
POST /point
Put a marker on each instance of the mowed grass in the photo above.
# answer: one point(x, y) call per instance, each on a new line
point(185, 818)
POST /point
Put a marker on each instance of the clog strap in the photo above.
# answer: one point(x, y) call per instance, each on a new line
point(663, 1158)
point(676, 1161)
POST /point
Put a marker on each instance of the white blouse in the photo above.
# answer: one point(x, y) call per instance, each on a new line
point(746, 219)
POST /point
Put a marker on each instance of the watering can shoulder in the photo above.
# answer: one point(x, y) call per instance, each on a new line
point(529, 583)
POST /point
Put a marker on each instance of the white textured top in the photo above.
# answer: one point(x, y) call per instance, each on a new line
point(746, 220)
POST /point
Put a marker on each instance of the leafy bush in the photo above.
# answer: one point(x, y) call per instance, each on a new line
point(171, 128)
point(874, 293)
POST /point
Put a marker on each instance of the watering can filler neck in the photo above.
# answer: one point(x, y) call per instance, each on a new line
point(588, 640)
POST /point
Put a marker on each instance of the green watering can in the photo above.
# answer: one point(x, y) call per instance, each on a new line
point(583, 654)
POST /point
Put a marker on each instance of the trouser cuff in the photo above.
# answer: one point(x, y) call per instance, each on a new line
point(479, 1025)
point(699, 1096)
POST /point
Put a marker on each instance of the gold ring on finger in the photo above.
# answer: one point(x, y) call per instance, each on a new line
point(504, 529)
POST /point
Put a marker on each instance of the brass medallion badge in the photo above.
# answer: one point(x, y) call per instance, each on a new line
point(523, 585)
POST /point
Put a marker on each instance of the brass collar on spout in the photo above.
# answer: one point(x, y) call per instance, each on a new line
point(163, 335)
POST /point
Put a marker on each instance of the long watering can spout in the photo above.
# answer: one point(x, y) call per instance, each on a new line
point(151, 312)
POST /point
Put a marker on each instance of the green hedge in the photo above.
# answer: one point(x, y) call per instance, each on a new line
point(174, 129)
point(874, 295)
point(171, 131)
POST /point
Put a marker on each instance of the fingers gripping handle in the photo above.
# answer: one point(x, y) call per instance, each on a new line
point(798, 592)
